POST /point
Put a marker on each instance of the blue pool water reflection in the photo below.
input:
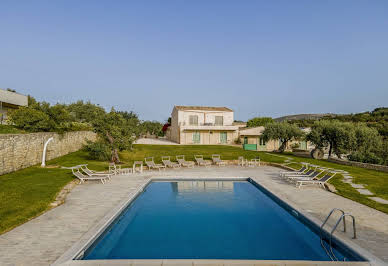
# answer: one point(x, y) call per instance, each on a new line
point(208, 220)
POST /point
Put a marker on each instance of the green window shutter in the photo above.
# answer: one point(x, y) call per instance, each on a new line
point(196, 137)
point(223, 137)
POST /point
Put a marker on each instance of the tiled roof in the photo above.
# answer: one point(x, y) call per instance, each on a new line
point(202, 108)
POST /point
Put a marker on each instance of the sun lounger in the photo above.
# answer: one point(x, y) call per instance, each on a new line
point(117, 170)
point(83, 178)
point(310, 171)
point(137, 167)
point(87, 171)
point(254, 162)
point(152, 165)
point(200, 161)
point(299, 171)
point(217, 160)
point(242, 161)
point(182, 162)
point(319, 182)
point(312, 176)
point(167, 162)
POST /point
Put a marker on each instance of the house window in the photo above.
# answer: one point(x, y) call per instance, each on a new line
point(219, 121)
point(262, 142)
point(245, 140)
point(193, 120)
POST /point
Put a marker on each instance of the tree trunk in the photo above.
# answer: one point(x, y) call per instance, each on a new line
point(282, 147)
point(330, 149)
point(115, 154)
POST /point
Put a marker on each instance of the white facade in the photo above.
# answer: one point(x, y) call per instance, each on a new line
point(202, 125)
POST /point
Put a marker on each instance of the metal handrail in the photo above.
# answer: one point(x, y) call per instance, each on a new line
point(335, 227)
point(327, 218)
point(331, 253)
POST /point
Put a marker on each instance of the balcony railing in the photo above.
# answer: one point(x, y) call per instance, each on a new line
point(201, 124)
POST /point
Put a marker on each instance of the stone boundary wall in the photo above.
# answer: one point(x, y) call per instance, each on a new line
point(18, 151)
point(376, 167)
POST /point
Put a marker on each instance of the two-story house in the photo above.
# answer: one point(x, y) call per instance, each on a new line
point(203, 125)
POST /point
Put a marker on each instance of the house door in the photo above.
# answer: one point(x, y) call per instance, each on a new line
point(303, 145)
point(262, 145)
point(223, 137)
point(196, 138)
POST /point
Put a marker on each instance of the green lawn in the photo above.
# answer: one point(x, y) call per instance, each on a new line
point(375, 181)
point(27, 193)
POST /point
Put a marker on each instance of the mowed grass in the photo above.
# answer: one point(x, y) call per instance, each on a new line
point(226, 152)
point(27, 193)
point(375, 181)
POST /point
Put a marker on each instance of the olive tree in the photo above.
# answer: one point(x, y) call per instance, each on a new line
point(338, 136)
point(117, 132)
point(283, 131)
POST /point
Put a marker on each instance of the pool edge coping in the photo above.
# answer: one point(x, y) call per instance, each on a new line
point(87, 239)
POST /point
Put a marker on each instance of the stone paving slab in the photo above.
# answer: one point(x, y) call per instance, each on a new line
point(364, 191)
point(44, 239)
point(379, 200)
point(357, 185)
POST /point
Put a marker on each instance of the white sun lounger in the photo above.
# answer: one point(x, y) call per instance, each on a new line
point(117, 170)
point(217, 160)
point(83, 178)
point(152, 165)
point(200, 161)
point(320, 182)
point(182, 162)
point(87, 171)
point(167, 162)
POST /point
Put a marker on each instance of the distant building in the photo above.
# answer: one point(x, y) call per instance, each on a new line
point(202, 125)
point(252, 139)
point(10, 100)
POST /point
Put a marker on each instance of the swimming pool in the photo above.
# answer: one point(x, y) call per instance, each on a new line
point(210, 220)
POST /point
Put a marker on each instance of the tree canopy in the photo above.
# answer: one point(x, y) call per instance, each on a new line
point(259, 121)
point(283, 131)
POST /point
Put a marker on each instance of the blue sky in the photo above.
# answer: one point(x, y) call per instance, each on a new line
point(261, 58)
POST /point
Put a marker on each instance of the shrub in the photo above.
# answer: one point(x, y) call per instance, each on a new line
point(365, 157)
point(30, 119)
point(98, 150)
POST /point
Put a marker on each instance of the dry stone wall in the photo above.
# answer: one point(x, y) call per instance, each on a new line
point(18, 151)
point(376, 167)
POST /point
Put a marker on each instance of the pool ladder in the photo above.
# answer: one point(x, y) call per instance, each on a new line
point(330, 252)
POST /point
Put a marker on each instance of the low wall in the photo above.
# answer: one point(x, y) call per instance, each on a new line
point(377, 167)
point(18, 151)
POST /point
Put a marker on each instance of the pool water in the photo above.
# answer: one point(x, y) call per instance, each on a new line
point(208, 220)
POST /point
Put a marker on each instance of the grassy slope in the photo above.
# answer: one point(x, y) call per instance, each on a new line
point(375, 181)
point(27, 193)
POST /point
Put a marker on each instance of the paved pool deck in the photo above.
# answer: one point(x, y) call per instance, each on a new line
point(44, 239)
